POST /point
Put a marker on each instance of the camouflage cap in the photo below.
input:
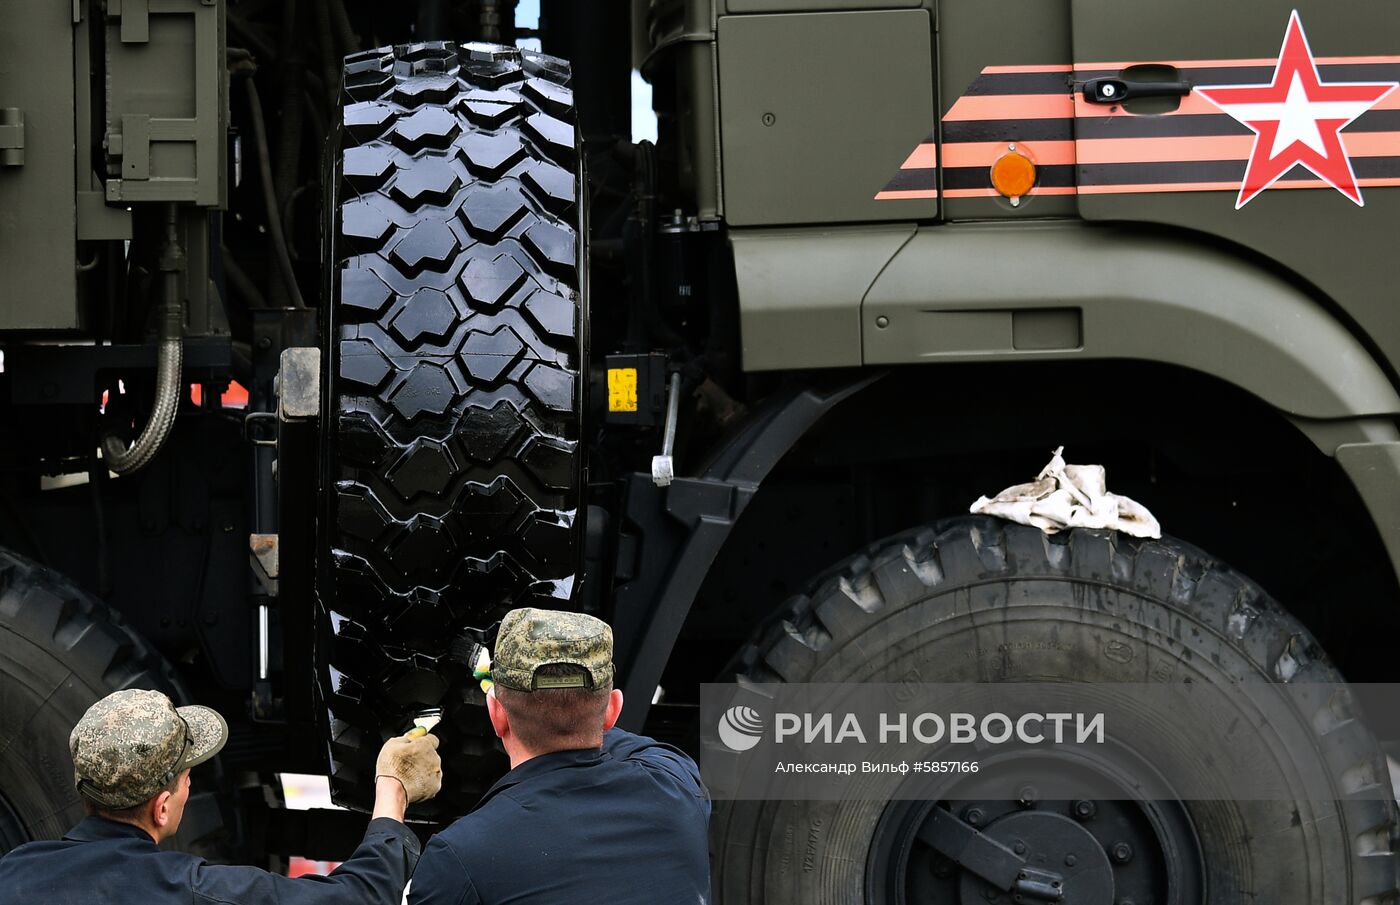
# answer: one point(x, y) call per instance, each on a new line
point(531, 638)
point(132, 743)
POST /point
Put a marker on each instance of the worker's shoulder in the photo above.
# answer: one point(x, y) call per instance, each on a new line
point(22, 860)
point(66, 870)
point(656, 757)
point(28, 850)
point(120, 851)
point(619, 744)
point(496, 811)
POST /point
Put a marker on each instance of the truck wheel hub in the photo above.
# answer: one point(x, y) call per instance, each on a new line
point(1065, 863)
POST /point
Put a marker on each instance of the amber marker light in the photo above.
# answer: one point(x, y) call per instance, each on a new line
point(1013, 175)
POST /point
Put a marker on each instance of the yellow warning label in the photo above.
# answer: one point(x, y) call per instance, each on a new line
point(622, 389)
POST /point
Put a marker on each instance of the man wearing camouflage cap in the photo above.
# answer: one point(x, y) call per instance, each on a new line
point(132, 753)
point(588, 812)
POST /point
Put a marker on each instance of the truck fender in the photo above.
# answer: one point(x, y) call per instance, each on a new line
point(1018, 292)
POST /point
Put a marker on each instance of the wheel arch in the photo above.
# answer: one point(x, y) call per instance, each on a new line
point(691, 538)
point(894, 294)
point(1069, 291)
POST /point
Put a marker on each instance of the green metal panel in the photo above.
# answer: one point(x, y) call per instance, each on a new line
point(97, 220)
point(166, 102)
point(699, 149)
point(800, 291)
point(37, 216)
point(800, 6)
point(963, 292)
point(1345, 251)
point(976, 34)
point(817, 110)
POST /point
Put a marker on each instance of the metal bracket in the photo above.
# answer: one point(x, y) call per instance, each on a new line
point(262, 550)
point(165, 141)
point(1039, 885)
point(974, 852)
point(683, 527)
point(136, 20)
point(299, 384)
point(68, 374)
point(254, 426)
point(980, 854)
point(663, 469)
point(133, 145)
point(11, 137)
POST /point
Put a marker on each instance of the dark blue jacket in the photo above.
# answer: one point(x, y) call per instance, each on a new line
point(102, 861)
point(621, 824)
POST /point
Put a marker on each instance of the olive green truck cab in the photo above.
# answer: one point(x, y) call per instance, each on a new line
point(332, 330)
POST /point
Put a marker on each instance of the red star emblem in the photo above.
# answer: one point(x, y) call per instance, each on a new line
point(1297, 119)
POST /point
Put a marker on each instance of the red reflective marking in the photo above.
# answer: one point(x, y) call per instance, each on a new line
point(1222, 147)
point(235, 397)
point(986, 153)
point(993, 193)
point(1217, 64)
point(1220, 186)
point(1011, 106)
point(897, 194)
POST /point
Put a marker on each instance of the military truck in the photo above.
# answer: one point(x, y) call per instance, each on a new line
point(333, 329)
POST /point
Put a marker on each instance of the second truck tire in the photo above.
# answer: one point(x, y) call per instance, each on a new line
point(979, 600)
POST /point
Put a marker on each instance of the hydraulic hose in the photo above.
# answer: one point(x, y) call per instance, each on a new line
point(170, 358)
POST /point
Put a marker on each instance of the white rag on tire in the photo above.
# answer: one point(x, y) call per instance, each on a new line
point(1069, 496)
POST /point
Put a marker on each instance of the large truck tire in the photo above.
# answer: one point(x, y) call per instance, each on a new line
point(977, 600)
point(60, 651)
point(455, 324)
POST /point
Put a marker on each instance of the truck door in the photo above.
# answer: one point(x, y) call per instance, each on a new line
point(1273, 127)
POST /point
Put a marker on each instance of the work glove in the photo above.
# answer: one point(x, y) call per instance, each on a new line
point(481, 669)
point(414, 762)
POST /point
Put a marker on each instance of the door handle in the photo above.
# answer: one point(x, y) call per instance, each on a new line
point(1115, 91)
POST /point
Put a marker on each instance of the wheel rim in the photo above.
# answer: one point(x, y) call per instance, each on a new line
point(1106, 850)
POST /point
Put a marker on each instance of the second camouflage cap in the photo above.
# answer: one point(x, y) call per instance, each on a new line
point(530, 638)
point(133, 743)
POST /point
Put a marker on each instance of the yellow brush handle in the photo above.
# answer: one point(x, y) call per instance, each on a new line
point(482, 669)
point(415, 732)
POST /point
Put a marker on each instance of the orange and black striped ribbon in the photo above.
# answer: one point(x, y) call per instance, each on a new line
point(1083, 148)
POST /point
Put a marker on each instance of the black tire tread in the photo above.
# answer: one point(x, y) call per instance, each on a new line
point(88, 636)
point(966, 551)
point(456, 336)
point(104, 654)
